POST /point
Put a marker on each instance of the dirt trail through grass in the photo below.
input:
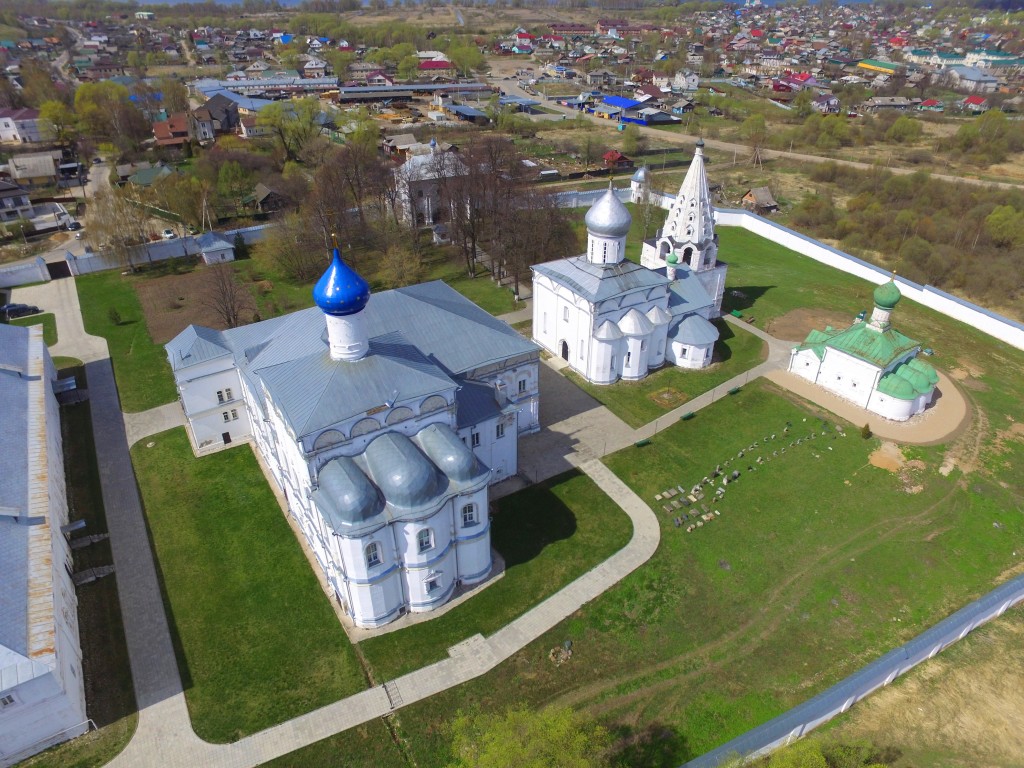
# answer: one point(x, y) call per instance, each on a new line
point(773, 602)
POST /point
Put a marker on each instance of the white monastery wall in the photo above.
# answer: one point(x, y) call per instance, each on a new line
point(994, 325)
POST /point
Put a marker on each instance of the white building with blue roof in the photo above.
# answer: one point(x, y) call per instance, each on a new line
point(42, 694)
point(383, 421)
point(611, 319)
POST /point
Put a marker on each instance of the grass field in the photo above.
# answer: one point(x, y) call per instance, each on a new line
point(635, 401)
point(815, 566)
point(257, 640)
point(549, 535)
point(143, 375)
point(48, 321)
point(110, 698)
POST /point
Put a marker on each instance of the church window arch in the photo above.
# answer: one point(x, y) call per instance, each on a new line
point(365, 426)
point(373, 555)
point(433, 403)
point(327, 438)
point(399, 414)
point(688, 256)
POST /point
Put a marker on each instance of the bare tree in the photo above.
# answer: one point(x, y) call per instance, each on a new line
point(117, 226)
point(226, 296)
point(298, 247)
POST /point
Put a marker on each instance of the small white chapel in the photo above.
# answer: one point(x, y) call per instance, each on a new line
point(610, 318)
point(870, 363)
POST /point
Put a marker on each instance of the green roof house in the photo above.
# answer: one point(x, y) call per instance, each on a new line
point(869, 363)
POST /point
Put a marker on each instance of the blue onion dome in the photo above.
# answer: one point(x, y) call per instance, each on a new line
point(340, 290)
point(608, 217)
point(887, 295)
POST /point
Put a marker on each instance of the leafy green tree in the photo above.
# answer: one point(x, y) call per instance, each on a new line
point(754, 131)
point(105, 111)
point(802, 103)
point(466, 58)
point(60, 121)
point(524, 738)
point(633, 141)
point(1005, 226)
point(905, 130)
point(293, 124)
point(409, 67)
point(174, 94)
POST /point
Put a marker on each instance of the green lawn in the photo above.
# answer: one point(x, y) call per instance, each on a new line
point(548, 534)
point(258, 642)
point(815, 566)
point(632, 401)
point(365, 746)
point(141, 369)
point(48, 321)
point(61, 363)
point(799, 582)
point(110, 698)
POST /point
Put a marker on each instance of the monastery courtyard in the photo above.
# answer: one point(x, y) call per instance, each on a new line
point(695, 635)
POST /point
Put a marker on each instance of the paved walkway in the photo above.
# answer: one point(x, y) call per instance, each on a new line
point(141, 425)
point(61, 298)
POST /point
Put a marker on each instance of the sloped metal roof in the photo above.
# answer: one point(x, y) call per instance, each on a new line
point(694, 330)
point(599, 282)
point(313, 391)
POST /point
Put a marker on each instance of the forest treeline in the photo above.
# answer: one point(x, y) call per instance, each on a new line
point(962, 238)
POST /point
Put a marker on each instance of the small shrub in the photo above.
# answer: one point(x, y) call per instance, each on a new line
point(114, 316)
point(865, 432)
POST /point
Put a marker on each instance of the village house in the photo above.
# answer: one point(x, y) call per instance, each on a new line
point(22, 126)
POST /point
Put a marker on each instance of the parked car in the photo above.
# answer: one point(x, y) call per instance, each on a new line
point(74, 226)
point(11, 311)
point(97, 160)
point(168, 234)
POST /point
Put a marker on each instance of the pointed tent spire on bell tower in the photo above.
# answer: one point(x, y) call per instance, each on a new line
point(691, 220)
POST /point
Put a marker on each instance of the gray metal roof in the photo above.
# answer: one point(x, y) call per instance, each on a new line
point(314, 392)
point(420, 337)
point(14, 405)
point(396, 477)
point(686, 294)
point(25, 550)
point(695, 330)
point(608, 216)
point(475, 402)
point(598, 282)
point(195, 345)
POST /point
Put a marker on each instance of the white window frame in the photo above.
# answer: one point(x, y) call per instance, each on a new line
point(565, 314)
point(227, 417)
point(425, 540)
point(372, 554)
point(469, 518)
point(220, 396)
point(522, 386)
point(499, 431)
point(475, 439)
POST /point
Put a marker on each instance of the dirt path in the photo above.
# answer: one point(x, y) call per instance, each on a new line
point(702, 654)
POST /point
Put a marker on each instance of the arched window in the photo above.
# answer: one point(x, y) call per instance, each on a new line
point(433, 403)
point(372, 554)
point(399, 414)
point(365, 426)
point(425, 540)
point(326, 438)
point(469, 516)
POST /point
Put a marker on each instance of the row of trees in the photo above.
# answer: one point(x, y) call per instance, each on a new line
point(961, 238)
point(485, 193)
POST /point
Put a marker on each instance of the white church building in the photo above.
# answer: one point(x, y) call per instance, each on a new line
point(42, 693)
point(383, 421)
point(610, 318)
point(870, 363)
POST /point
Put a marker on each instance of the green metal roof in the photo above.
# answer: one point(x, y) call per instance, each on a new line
point(860, 340)
point(887, 295)
point(896, 386)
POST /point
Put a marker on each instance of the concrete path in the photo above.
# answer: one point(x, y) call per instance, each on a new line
point(140, 425)
point(61, 298)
